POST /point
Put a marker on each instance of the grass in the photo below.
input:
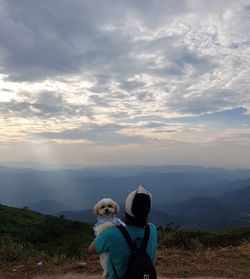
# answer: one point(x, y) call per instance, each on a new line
point(197, 239)
point(27, 237)
point(28, 232)
point(229, 262)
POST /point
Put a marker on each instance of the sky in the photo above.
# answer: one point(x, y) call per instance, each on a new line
point(149, 82)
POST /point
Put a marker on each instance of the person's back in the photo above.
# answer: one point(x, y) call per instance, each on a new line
point(112, 241)
point(137, 207)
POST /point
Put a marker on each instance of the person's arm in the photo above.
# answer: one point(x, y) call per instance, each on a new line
point(91, 248)
point(101, 243)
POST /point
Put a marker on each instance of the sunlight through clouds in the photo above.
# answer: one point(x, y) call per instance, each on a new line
point(111, 74)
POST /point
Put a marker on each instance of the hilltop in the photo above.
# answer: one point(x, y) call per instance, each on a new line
point(33, 244)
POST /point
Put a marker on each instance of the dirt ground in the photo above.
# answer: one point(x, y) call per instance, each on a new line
point(88, 276)
point(78, 275)
point(230, 262)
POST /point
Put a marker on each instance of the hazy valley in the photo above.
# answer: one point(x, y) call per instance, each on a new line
point(185, 196)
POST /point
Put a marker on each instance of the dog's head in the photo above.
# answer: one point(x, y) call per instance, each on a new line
point(106, 207)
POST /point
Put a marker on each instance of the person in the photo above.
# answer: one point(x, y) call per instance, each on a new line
point(137, 208)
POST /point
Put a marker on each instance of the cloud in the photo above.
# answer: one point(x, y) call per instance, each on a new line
point(33, 41)
point(108, 134)
point(203, 102)
point(122, 72)
point(45, 104)
point(83, 37)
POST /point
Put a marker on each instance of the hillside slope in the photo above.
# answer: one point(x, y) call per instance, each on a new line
point(28, 238)
point(53, 235)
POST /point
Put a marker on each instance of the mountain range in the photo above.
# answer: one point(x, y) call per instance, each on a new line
point(199, 212)
point(184, 196)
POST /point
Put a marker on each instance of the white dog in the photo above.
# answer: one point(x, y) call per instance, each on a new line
point(105, 209)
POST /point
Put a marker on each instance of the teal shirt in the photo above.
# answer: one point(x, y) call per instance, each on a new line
point(113, 242)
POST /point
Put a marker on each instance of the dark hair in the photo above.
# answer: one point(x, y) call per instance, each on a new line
point(140, 208)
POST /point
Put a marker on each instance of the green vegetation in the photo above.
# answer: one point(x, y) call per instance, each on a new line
point(25, 233)
point(198, 239)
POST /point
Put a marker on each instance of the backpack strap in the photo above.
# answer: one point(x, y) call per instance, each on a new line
point(115, 272)
point(130, 242)
point(145, 239)
point(127, 237)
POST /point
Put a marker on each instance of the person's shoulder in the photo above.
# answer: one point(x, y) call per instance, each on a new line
point(152, 227)
point(108, 231)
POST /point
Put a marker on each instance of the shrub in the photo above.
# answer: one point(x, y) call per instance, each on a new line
point(14, 251)
point(22, 230)
point(196, 239)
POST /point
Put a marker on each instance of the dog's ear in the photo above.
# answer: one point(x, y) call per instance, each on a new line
point(96, 209)
point(116, 207)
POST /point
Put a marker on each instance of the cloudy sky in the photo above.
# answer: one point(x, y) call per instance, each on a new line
point(125, 82)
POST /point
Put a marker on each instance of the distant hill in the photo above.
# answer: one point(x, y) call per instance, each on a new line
point(47, 207)
point(5, 169)
point(232, 209)
point(188, 196)
point(81, 188)
point(240, 199)
point(203, 212)
point(131, 170)
point(156, 217)
point(83, 216)
point(225, 211)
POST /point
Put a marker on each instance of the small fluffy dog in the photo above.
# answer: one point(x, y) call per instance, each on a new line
point(105, 209)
